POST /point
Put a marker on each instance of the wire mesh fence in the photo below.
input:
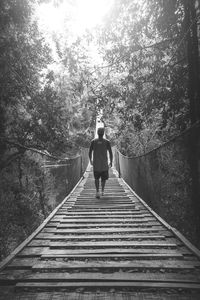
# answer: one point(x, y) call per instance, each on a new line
point(163, 179)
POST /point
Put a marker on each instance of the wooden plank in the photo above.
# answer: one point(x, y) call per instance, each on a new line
point(11, 277)
point(114, 256)
point(111, 196)
point(101, 215)
point(135, 235)
point(96, 210)
point(148, 244)
point(100, 237)
point(104, 230)
point(57, 226)
point(103, 220)
point(101, 212)
point(106, 215)
point(114, 193)
point(64, 223)
point(119, 250)
point(32, 252)
point(105, 208)
point(102, 205)
point(133, 285)
point(134, 277)
point(101, 202)
point(22, 263)
point(127, 265)
point(103, 225)
point(108, 206)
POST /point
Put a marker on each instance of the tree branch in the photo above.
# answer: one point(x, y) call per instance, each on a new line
point(136, 50)
point(26, 148)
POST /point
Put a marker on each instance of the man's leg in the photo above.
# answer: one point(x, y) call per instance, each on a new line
point(104, 177)
point(97, 185)
point(97, 188)
point(103, 182)
point(96, 177)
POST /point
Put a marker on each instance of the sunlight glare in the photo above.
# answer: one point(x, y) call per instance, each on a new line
point(82, 15)
point(91, 12)
point(49, 17)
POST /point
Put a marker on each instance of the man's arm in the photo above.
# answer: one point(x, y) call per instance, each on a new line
point(90, 153)
point(110, 153)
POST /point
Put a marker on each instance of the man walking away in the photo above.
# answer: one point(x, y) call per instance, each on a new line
point(99, 148)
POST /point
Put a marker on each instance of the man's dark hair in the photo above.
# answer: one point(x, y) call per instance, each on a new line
point(100, 131)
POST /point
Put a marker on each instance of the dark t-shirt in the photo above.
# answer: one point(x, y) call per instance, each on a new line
point(100, 155)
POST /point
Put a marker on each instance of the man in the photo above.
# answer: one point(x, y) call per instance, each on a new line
point(99, 148)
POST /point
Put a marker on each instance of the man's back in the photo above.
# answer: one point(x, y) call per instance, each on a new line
point(100, 146)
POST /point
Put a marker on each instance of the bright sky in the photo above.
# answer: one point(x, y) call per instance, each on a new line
point(81, 15)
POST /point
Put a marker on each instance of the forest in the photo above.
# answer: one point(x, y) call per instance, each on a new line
point(139, 67)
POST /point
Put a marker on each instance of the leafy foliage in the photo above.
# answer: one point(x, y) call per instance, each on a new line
point(40, 109)
point(145, 50)
point(145, 82)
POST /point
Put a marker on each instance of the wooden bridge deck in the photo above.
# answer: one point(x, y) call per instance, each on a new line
point(109, 248)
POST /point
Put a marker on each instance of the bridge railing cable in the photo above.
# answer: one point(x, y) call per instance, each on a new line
point(162, 178)
point(66, 170)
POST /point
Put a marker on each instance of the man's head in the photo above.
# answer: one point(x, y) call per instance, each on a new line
point(100, 132)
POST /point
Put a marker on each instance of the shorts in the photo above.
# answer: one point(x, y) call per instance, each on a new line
point(102, 174)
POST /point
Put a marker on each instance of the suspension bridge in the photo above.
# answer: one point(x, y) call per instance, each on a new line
point(115, 247)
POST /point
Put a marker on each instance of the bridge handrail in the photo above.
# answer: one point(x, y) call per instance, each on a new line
point(162, 177)
point(186, 131)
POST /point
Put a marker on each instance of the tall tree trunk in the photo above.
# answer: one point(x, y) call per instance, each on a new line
point(194, 98)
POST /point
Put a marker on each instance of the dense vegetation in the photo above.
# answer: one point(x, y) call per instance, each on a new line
point(40, 113)
point(146, 84)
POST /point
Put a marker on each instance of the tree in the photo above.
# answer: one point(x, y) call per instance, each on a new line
point(194, 98)
point(151, 50)
point(144, 46)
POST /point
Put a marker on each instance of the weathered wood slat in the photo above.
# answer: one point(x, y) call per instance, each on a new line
point(103, 225)
point(112, 192)
point(14, 276)
point(132, 285)
point(136, 264)
point(133, 277)
point(103, 202)
point(111, 250)
point(108, 214)
point(101, 220)
point(64, 223)
point(106, 207)
point(107, 230)
point(100, 215)
point(50, 236)
point(52, 244)
point(33, 251)
point(111, 197)
point(22, 263)
point(101, 212)
point(113, 256)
